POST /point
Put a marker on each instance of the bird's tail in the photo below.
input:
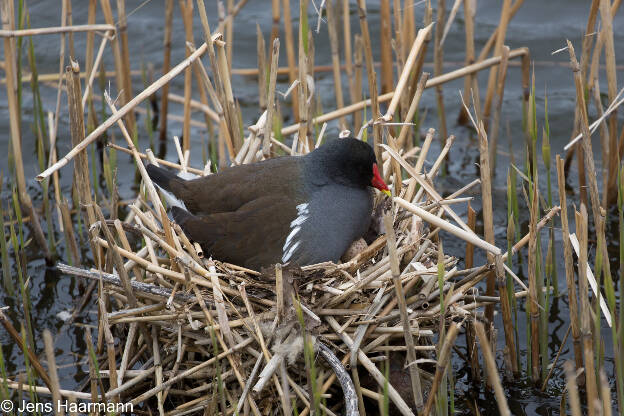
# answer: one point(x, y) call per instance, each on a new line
point(162, 177)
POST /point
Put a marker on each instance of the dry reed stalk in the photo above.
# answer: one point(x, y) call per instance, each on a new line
point(385, 34)
point(150, 393)
point(585, 311)
point(432, 82)
point(395, 172)
point(55, 177)
point(120, 73)
point(290, 54)
point(335, 54)
point(122, 30)
point(89, 49)
point(510, 342)
point(122, 112)
point(472, 222)
point(605, 393)
point(69, 394)
point(372, 78)
point(7, 11)
point(234, 349)
point(219, 110)
point(229, 32)
point(488, 217)
point(524, 240)
point(164, 103)
point(93, 70)
point(197, 105)
point(438, 58)
point(224, 324)
point(264, 376)
point(51, 359)
point(158, 372)
point(444, 357)
point(126, 245)
point(110, 346)
point(587, 40)
point(160, 161)
point(34, 361)
point(93, 377)
point(593, 283)
point(398, 287)
point(404, 77)
point(51, 77)
point(490, 365)
point(607, 35)
point(357, 83)
point(498, 104)
point(268, 127)
point(469, 81)
point(123, 275)
point(302, 87)
point(598, 211)
point(604, 139)
point(8, 33)
point(554, 364)
point(218, 94)
point(186, 9)
point(400, 44)
point(372, 369)
point(494, 36)
point(533, 292)
point(569, 267)
point(413, 108)
point(571, 387)
point(70, 37)
point(446, 226)
point(68, 229)
point(275, 14)
point(228, 100)
point(427, 188)
point(409, 24)
point(262, 95)
point(81, 165)
point(501, 31)
point(409, 194)
point(427, 20)
point(450, 20)
point(151, 190)
point(348, 51)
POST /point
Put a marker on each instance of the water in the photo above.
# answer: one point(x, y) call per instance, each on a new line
point(542, 26)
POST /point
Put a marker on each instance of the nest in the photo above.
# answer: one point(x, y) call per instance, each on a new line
point(192, 333)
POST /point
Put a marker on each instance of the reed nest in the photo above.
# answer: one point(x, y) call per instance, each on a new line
point(211, 335)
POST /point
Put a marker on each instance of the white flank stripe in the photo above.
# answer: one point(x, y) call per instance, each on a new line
point(290, 238)
point(290, 252)
point(290, 245)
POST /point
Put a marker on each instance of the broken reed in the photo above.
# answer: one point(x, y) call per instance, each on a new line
point(229, 131)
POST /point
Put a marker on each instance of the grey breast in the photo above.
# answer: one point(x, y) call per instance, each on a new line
point(325, 226)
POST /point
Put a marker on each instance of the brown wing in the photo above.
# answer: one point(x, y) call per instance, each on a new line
point(252, 236)
point(234, 187)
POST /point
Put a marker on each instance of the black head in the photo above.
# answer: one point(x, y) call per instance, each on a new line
point(347, 161)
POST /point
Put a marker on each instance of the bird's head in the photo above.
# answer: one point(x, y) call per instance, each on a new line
point(350, 162)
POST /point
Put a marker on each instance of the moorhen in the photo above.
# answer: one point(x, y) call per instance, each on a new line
point(298, 210)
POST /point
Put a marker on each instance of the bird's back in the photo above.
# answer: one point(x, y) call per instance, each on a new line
point(234, 187)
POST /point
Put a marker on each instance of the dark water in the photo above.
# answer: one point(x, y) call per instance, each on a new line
point(543, 26)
